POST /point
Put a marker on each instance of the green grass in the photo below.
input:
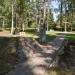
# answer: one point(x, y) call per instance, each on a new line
point(71, 36)
point(32, 35)
point(50, 35)
point(35, 35)
point(28, 35)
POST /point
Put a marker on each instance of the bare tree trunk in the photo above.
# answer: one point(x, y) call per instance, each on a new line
point(12, 27)
point(48, 19)
point(42, 36)
point(42, 30)
point(3, 24)
point(65, 29)
point(72, 18)
point(44, 21)
point(61, 14)
point(23, 27)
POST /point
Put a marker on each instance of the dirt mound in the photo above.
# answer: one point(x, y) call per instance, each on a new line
point(68, 58)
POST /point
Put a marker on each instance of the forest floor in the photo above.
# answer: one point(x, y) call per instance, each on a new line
point(40, 58)
point(66, 63)
point(10, 56)
point(5, 34)
point(8, 50)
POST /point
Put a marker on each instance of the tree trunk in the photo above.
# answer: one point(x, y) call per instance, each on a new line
point(61, 14)
point(72, 18)
point(3, 24)
point(12, 27)
point(48, 20)
point(23, 27)
point(42, 30)
point(65, 17)
point(65, 27)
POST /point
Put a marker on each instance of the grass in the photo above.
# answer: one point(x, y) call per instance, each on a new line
point(32, 35)
point(29, 35)
point(71, 37)
point(35, 35)
point(50, 35)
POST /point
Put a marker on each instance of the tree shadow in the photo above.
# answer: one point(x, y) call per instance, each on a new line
point(32, 48)
point(12, 56)
point(8, 55)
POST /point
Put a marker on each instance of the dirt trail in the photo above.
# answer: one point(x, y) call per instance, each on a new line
point(40, 58)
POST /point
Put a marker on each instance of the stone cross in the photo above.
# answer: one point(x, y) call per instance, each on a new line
point(66, 25)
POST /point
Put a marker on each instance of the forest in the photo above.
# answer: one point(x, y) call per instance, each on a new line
point(37, 37)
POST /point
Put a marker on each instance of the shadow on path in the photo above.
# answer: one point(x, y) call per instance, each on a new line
point(39, 58)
